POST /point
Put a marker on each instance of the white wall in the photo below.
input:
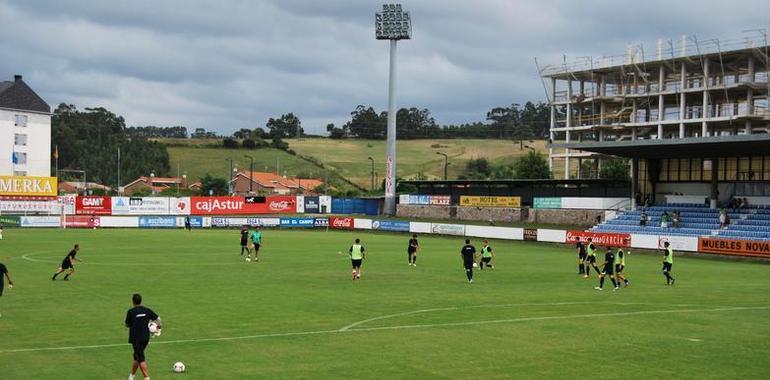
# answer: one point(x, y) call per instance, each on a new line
point(38, 148)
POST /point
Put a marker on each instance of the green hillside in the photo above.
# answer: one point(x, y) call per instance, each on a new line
point(348, 158)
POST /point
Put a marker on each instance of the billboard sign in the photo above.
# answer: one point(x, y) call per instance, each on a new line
point(297, 222)
point(342, 223)
point(140, 206)
point(28, 186)
point(550, 202)
point(736, 247)
point(475, 201)
point(93, 205)
point(448, 229)
point(157, 222)
point(312, 205)
point(600, 238)
point(390, 225)
point(238, 205)
point(530, 234)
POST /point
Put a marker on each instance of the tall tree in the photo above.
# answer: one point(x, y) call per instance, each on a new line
point(213, 185)
point(531, 166)
point(288, 125)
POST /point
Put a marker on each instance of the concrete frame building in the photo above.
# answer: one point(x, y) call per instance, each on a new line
point(692, 116)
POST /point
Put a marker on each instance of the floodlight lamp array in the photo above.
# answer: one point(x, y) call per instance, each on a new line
point(392, 23)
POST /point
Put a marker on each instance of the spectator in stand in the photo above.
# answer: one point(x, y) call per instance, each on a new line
point(664, 219)
point(745, 203)
point(638, 199)
point(677, 218)
point(722, 218)
point(643, 219)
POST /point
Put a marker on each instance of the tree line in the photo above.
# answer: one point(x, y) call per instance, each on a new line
point(89, 140)
point(529, 121)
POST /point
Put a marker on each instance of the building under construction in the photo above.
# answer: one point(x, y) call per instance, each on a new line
point(693, 116)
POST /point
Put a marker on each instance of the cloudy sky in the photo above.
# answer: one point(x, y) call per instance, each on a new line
point(229, 64)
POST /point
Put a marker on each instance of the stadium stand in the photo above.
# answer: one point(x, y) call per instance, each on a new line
point(696, 220)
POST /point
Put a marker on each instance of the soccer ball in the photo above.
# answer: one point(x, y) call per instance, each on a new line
point(154, 328)
point(248, 259)
point(179, 367)
point(475, 265)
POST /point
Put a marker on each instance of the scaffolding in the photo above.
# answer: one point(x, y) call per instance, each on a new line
point(692, 88)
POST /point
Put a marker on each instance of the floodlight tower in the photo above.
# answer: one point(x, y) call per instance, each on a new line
point(392, 24)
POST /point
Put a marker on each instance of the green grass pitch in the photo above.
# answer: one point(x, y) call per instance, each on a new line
point(297, 314)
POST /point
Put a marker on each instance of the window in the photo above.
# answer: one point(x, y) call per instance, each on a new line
point(19, 158)
point(20, 121)
point(20, 173)
point(19, 139)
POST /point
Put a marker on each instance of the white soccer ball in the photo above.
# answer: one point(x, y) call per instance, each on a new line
point(179, 367)
point(153, 327)
point(248, 259)
point(475, 265)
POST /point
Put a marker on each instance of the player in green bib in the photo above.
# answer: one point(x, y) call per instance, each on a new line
point(487, 256)
point(591, 259)
point(668, 262)
point(256, 241)
point(357, 256)
point(620, 264)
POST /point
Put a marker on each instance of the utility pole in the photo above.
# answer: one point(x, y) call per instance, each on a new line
point(372, 160)
point(230, 174)
point(251, 173)
point(118, 189)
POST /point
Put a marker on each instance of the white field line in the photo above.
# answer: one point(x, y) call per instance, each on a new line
point(401, 327)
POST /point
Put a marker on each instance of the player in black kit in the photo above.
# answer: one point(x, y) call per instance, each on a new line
point(607, 270)
point(412, 249)
point(68, 263)
point(244, 240)
point(137, 320)
point(581, 255)
point(468, 254)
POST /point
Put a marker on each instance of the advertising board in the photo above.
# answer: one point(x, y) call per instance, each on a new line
point(476, 201)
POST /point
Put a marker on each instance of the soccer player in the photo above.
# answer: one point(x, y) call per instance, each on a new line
point(581, 255)
point(4, 271)
point(412, 249)
point(668, 262)
point(256, 240)
point(137, 319)
point(68, 263)
point(1, 232)
point(187, 223)
point(487, 256)
point(468, 253)
point(620, 264)
point(357, 255)
point(590, 258)
point(607, 270)
point(245, 240)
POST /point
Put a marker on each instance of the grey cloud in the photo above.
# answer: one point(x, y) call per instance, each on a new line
point(231, 64)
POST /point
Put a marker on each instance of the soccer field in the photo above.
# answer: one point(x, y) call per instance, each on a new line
point(297, 314)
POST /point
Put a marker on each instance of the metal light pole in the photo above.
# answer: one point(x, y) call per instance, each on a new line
point(251, 173)
point(372, 160)
point(446, 163)
point(230, 173)
point(392, 24)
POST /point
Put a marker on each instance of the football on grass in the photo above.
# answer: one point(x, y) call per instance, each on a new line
point(179, 367)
